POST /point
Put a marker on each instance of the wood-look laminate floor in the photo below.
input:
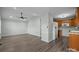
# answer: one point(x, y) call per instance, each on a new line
point(28, 43)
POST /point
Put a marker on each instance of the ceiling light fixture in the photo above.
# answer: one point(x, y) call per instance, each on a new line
point(10, 16)
point(65, 15)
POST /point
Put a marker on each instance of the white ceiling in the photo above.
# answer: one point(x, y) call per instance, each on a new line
point(61, 10)
point(27, 11)
point(37, 11)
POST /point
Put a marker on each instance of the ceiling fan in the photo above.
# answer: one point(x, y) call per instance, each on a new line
point(22, 17)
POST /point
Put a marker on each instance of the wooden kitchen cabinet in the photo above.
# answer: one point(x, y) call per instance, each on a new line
point(73, 42)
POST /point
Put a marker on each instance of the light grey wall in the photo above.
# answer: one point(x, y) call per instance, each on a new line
point(50, 22)
point(13, 27)
point(34, 26)
point(10, 27)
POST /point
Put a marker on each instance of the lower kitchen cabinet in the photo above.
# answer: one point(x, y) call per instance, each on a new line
point(73, 42)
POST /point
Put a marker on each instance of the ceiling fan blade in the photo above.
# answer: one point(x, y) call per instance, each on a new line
point(21, 14)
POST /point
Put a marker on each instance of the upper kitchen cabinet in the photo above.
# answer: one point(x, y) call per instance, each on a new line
point(77, 16)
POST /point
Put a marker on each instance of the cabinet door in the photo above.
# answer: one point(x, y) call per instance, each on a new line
point(74, 41)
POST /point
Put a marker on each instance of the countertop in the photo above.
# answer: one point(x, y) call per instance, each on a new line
point(72, 30)
point(68, 28)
